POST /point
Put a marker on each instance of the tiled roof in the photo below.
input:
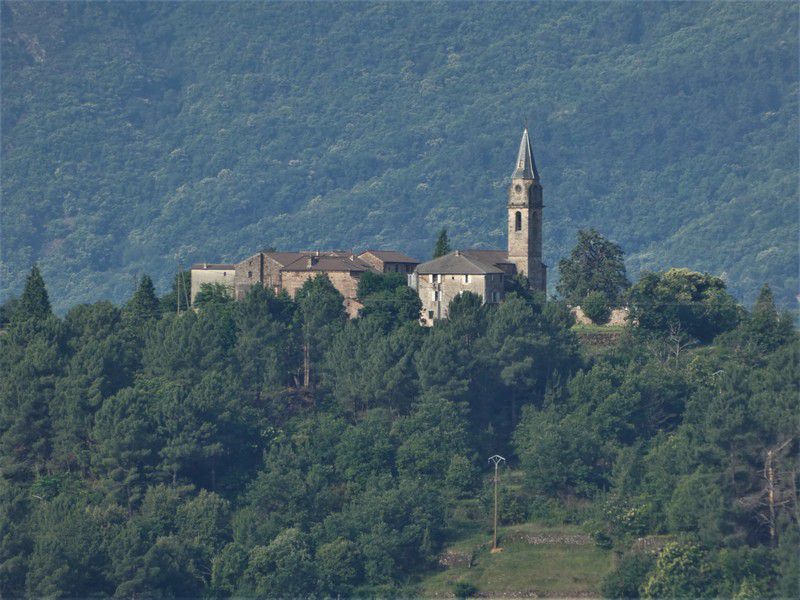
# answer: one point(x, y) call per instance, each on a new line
point(283, 258)
point(391, 256)
point(325, 262)
point(492, 257)
point(457, 263)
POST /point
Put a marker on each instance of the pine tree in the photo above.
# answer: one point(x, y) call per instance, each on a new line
point(144, 305)
point(321, 315)
point(34, 303)
point(766, 327)
point(442, 244)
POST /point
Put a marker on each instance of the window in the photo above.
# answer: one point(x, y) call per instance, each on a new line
point(518, 221)
point(433, 278)
point(436, 278)
point(250, 274)
point(466, 278)
point(430, 314)
point(437, 296)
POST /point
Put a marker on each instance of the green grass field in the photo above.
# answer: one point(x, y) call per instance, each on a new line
point(523, 569)
point(589, 328)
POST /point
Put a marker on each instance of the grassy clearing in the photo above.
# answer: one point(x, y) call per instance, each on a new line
point(591, 328)
point(523, 569)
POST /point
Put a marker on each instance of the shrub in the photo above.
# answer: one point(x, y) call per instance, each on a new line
point(627, 578)
point(464, 589)
point(597, 308)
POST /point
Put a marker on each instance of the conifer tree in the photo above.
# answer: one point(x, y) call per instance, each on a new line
point(766, 327)
point(442, 244)
point(764, 307)
point(34, 303)
point(321, 315)
point(144, 305)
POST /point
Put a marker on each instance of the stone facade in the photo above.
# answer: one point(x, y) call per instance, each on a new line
point(211, 273)
point(437, 291)
point(525, 218)
point(485, 272)
point(288, 271)
point(346, 282)
point(441, 280)
point(388, 261)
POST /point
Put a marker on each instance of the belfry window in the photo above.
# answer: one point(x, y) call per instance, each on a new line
point(518, 221)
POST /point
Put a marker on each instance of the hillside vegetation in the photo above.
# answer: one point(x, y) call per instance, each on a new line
point(137, 136)
point(273, 448)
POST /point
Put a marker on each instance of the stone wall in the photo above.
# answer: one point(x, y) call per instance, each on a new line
point(201, 276)
point(248, 272)
point(345, 282)
point(490, 287)
point(619, 316)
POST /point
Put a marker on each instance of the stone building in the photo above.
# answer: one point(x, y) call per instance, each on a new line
point(440, 280)
point(484, 272)
point(389, 261)
point(287, 271)
point(211, 273)
point(525, 218)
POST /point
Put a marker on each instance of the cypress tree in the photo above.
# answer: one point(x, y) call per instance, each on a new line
point(442, 244)
point(34, 303)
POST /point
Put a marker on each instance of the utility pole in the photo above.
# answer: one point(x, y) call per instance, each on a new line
point(495, 460)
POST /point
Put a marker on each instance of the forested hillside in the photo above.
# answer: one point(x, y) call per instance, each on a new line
point(136, 136)
point(145, 454)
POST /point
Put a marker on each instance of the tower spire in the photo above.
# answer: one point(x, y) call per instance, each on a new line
point(525, 167)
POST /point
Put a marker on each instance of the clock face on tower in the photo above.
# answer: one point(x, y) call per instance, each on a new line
point(518, 188)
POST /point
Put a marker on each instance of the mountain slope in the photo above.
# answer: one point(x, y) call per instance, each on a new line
point(137, 136)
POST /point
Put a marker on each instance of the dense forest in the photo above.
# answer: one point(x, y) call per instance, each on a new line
point(140, 136)
point(147, 450)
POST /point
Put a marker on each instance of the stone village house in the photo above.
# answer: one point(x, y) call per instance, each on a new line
point(438, 281)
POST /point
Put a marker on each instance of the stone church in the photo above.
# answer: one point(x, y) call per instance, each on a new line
point(484, 272)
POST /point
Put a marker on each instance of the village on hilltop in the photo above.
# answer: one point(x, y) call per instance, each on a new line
point(482, 272)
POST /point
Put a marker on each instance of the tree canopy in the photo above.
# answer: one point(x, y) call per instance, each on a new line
point(595, 266)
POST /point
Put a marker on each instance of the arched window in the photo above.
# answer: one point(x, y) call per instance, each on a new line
point(518, 221)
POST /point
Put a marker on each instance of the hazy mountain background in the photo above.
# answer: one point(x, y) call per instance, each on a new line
point(136, 136)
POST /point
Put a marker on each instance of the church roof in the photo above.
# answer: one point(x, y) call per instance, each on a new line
point(525, 167)
point(456, 263)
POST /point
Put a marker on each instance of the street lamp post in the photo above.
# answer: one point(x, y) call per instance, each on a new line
point(495, 460)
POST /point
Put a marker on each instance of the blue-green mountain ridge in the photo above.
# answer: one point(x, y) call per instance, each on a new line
point(140, 136)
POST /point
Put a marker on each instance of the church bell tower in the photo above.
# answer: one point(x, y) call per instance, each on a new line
point(525, 218)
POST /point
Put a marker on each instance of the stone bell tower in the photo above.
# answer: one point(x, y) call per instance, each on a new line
point(525, 218)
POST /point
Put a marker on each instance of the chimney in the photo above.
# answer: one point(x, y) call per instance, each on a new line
point(458, 252)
